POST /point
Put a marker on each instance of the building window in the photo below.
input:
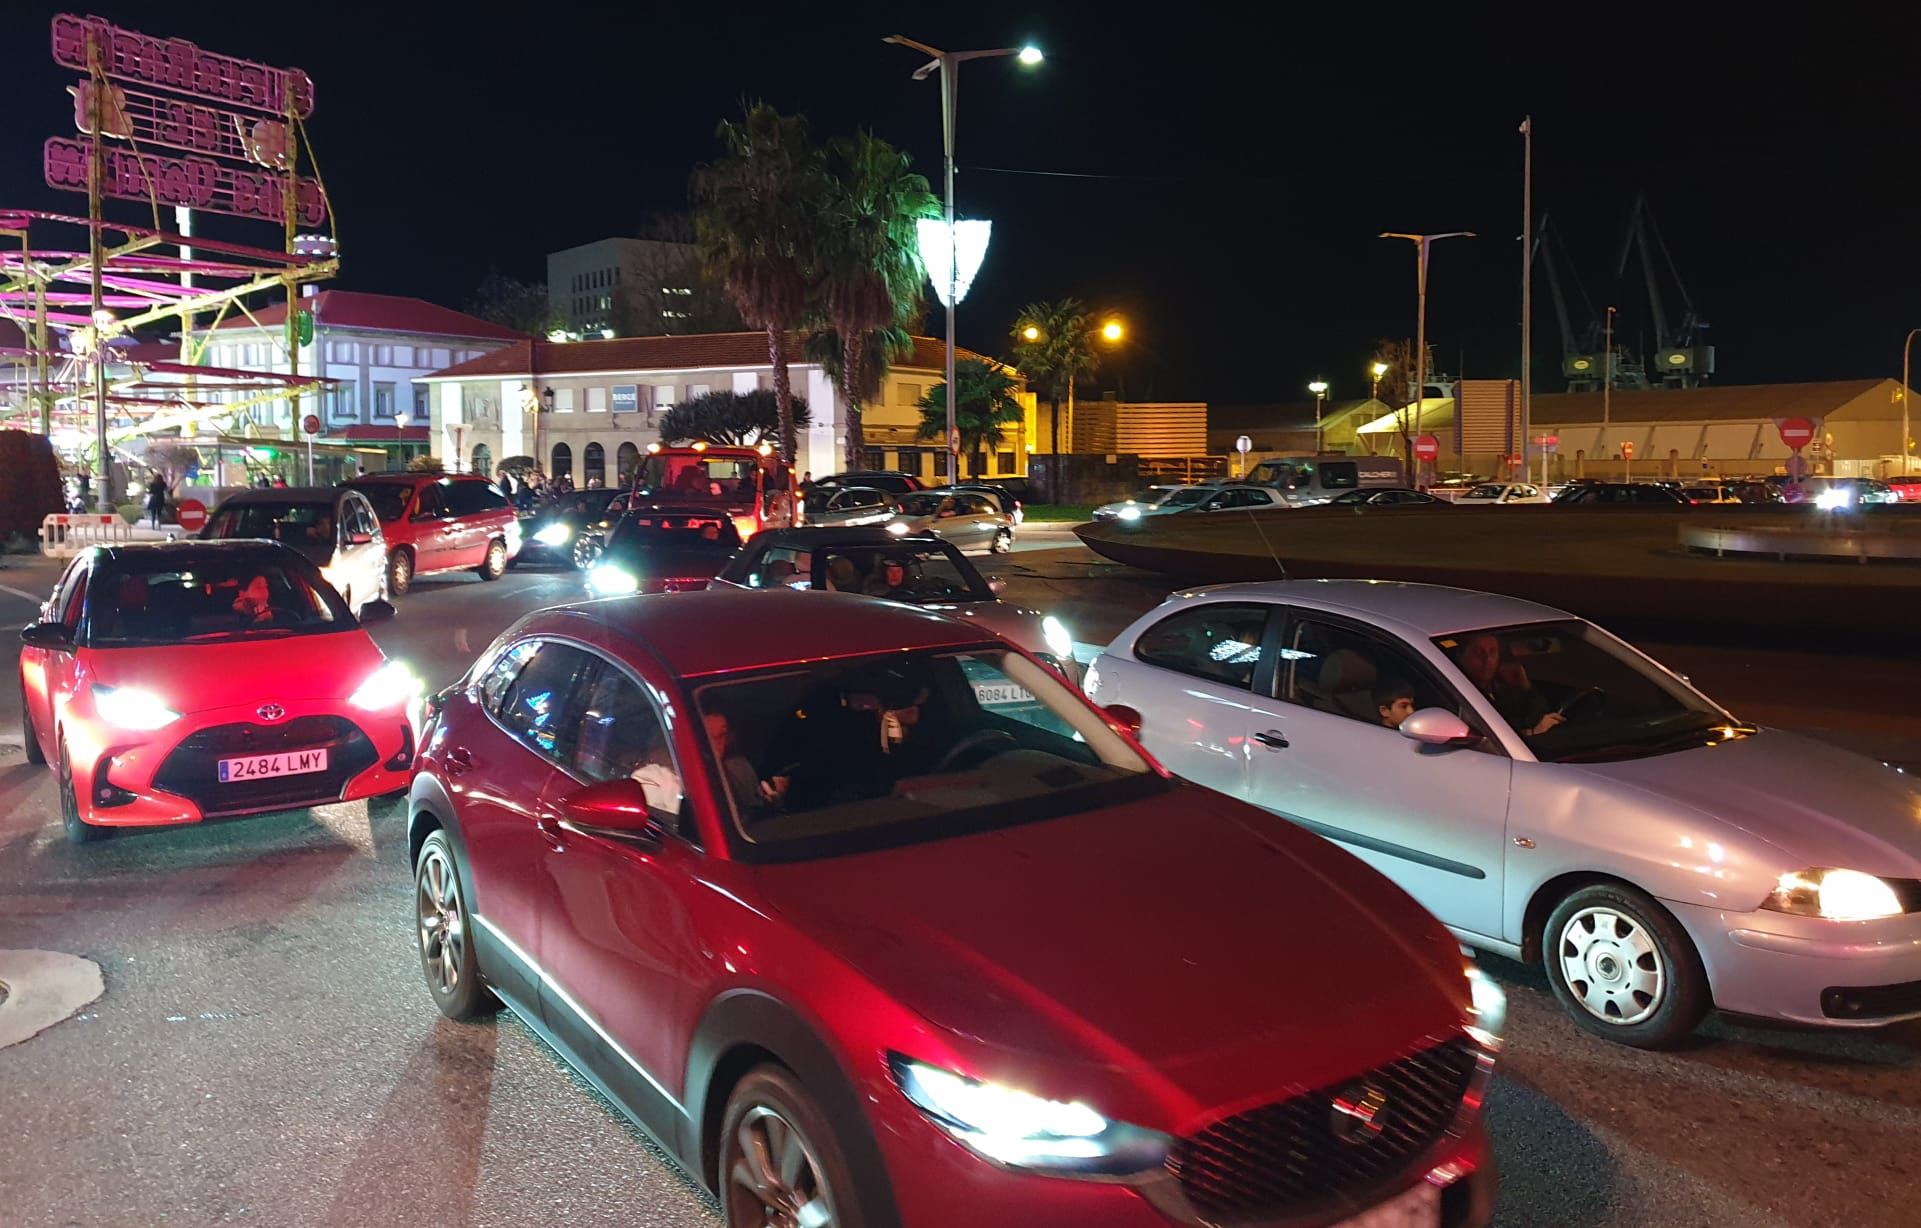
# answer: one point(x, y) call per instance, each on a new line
point(383, 400)
point(596, 465)
point(698, 390)
point(483, 460)
point(907, 394)
point(596, 400)
point(626, 460)
point(421, 410)
point(381, 355)
point(563, 400)
point(403, 356)
point(343, 351)
point(1003, 463)
point(664, 397)
point(441, 360)
point(562, 463)
point(344, 407)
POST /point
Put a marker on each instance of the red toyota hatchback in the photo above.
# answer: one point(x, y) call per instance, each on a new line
point(176, 682)
point(876, 921)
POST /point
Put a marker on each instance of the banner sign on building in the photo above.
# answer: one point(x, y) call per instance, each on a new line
point(626, 398)
point(197, 183)
point(179, 66)
point(1487, 417)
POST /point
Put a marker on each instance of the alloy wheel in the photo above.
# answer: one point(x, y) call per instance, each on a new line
point(400, 572)
point(1612, 965)
point(776, 1176)
point(442, 922)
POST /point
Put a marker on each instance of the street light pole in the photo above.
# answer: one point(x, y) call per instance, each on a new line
point(1607, 374)
point(948, 63)
point(1905, 345)
point(1319, 389)
point(1423, 245)
point(1527, 296)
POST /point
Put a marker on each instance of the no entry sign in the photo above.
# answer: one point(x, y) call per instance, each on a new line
point(1797, 433)
point(1426, 448)
point(190, 514)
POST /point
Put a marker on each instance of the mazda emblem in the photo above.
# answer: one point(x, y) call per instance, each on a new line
point(270, 712)
point(1357, 1114)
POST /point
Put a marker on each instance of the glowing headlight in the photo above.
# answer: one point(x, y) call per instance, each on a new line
point(898, 528)
point(1832, 500)
point(1024, 1131)
point(611, 581)
point(1059, 642)
point(132, 708)
point(1490, 1008)
point(1129, 512)
point(555, 535)
point(1838, 895)
point(389, 686)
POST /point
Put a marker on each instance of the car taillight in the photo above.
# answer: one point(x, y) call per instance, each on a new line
point(745, 526)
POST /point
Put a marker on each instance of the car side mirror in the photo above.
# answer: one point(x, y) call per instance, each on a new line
point(46, 635)
point(616, 808)
point(359, 539)
point(1127, 718)
point(997, 586)
point(1438, 727)
point(379, 610)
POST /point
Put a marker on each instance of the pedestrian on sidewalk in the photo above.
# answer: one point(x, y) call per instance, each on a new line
point(156, 498)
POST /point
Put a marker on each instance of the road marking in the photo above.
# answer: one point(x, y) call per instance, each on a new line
point(36, 598)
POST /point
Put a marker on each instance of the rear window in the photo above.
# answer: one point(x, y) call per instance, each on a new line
point(293, 524)
point(474, 498)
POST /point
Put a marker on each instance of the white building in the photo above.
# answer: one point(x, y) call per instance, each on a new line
point(585, 285)
point(607, 398)
point(373, 346)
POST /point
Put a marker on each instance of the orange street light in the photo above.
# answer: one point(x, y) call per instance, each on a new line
point(1113, 330)
point(1031, 333)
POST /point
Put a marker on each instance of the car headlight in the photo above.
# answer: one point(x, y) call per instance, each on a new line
point(1832, 500)
point(1489, 1007)
point(1022, 1130)
point(555, 535)
point(611, 581)
point(898, 528)
point(1838, 895)
point(1130, 512)
point(132, 708)
point(1059, 642)
point(389, 686)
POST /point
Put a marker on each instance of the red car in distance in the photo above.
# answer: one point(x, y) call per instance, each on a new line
point(181, 681)
point(876, 921)
point(434, 523)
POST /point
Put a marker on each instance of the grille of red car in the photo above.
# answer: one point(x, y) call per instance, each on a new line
point(192, 770)
point(1339, 1147)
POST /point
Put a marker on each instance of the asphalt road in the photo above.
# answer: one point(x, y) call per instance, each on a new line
point(265, 1050)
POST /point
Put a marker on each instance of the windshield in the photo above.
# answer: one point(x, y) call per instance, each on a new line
point(173, 599)
point(906, 747)
point(643, 533)
point(1486, 492)
point(922, 503)
point(700, 477)
point(294, 524)
point(389, 498)
point(1576, 694)
point(919, 574)
point(1187, 496)
point(585, 504)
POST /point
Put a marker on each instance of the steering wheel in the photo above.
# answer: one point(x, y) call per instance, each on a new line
point(973, 742)
point(1582, 703)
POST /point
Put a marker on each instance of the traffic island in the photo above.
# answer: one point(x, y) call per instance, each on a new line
point(1614, 565)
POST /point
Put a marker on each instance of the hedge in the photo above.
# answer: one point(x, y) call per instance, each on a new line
point(29, 483)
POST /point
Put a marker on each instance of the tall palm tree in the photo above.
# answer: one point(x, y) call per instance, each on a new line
point(757, 209)
point(985, 405)
point(1059, 355)
point(869, 264)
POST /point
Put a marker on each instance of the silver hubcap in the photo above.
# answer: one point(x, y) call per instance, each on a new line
point(776, 1169)
point(1612, 966)
point(443, 929)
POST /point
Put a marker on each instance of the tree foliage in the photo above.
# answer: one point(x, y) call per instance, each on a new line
point(984, 407)
point(170, 460)
point(31, 490)
point(1059, 356)
point(512, 303)
point(424, 463)
point(732, 418)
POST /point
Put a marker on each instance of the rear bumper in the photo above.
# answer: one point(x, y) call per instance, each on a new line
point(171, 777)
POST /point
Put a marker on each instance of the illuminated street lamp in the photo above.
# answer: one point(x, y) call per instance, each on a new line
point(1423, 245)
point(1319, 389)
point(1030, 333)
point(1112, 331)
point(1377, 371)
point(945, 272)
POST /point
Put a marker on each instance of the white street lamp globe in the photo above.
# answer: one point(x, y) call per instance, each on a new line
point(967, 249)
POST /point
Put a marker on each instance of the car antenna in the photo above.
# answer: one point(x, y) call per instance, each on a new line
point(1271, 553)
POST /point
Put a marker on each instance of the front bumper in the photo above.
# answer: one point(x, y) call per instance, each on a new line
point(1808, 970)
point(171, 776)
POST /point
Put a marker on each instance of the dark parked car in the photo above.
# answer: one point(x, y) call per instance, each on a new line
point(570, 531)
point(1389, 496)
point(892, 481)
point(664, 549)
point(1620, 494)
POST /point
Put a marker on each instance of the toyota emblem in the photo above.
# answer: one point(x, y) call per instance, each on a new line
point(1357, 1114)
point(270, 712)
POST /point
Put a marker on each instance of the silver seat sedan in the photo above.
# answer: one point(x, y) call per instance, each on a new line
point(1550, 793)
point(847, 505)
point(969, 520)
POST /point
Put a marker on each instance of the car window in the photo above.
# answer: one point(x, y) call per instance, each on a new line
point(618, 733)
point(1219, 642)
point(389, 499)
point(913, 573)
point(782, 565)
point(290, 523)
point(71, 594)
point(1338, 669)
point(173, 598)
point(1526, 492)
point(474, 498)
point(432, 502)
point(1486, 492)
point(493, 682)
point(538, 705)
point(363, 518)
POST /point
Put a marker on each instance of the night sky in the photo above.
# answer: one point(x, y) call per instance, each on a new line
point(1234, 174)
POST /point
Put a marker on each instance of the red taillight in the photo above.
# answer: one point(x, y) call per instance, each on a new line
point(745, 526)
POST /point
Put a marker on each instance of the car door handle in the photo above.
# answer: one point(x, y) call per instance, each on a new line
point(1273, 739)
point(458, 760)
point(550, 828)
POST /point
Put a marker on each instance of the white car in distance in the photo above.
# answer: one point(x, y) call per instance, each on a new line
point(1503, 493)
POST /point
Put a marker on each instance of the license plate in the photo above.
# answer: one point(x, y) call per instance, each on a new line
point(1002, 693)
point(287, 763)
point(1419, 1207)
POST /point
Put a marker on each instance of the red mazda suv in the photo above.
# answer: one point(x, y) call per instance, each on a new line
point(876, 921)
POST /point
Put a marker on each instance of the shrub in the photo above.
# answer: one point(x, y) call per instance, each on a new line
point(426, 464)
point(29, 483)
point(132, 513)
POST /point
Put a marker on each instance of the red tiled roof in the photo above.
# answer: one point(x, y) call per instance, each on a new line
point(697, 351)
point(385, 313)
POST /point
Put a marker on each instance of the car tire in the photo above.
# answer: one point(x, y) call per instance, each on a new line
point(1623, 967)
point(78, 830)
point(769, 1114)
point(495, 565)
point(1003, 542)
point(586, 552)
point(443, 933)
point(400, 572)
point(29, 738)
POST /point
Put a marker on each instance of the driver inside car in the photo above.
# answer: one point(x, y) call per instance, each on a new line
point(889, 578)
point(853, 741)
point(1506, 684)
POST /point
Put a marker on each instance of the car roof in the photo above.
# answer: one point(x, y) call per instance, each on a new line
point(414, 479)
point(710, 632)
point(286, 494)
point(186, 552)
point(813, 536)
point(1416, 609)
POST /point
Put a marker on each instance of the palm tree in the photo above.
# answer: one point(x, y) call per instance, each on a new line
point(1059, 354)
point(755, 225)
point(984, 407)
point(869, 264)
point(878, 352)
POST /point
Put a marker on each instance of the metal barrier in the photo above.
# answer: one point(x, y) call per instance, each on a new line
point(63, 534)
